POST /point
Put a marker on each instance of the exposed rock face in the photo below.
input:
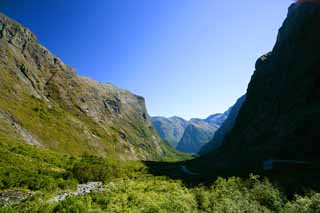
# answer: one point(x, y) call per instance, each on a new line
point(196, 135)
point(67, 112)
point(226, 127)
point(170, 129)
point(280, 118)
point(23, 133)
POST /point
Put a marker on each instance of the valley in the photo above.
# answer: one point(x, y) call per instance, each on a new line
point(72, 144)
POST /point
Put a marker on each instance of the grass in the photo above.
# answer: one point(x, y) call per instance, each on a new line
point(133, 186)
point(68, 131)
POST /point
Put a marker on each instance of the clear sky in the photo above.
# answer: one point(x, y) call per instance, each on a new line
point(190, 58)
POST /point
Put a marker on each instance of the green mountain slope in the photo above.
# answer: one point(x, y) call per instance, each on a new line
point(48, 105)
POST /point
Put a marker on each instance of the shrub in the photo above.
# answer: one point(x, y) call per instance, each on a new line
point(305, 204)
point(92, 168)
point(148, 194)
point(74, 205)
point(238, 195)
point(265, 193)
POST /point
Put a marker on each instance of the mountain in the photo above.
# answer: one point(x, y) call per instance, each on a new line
point(226, 127)
point(217, 119)
point(45, 103)
point(188, 136)
point(280, 117)
point(197, 133)
point(170, 129)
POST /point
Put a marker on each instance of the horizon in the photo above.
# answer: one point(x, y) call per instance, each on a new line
point(183, 58)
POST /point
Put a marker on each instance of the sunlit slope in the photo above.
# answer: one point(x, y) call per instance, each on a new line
point(50, 106)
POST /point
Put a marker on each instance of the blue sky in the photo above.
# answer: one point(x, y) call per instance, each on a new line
point(190, 58)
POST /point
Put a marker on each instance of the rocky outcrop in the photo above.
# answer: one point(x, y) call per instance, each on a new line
point(82, 189)
point(12, 197)
point(66, 112)
point(19, 130)
point(225, 128)
point(280, 117)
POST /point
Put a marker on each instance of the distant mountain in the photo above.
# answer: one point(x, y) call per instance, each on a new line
point(226, 127)
point(197, 134)
point(45, 103)
point(175, 130)
point(170, 129)
point(280, 117)
point(217, 119)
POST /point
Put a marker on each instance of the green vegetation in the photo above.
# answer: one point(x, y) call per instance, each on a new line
point(129, 187)
point(85, 128)
point(26, 167)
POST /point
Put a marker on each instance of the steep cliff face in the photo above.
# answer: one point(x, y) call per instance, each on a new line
point(225, 128)
point(170, 129)
point(46, 101)
point(284, 93)
point(280, 118)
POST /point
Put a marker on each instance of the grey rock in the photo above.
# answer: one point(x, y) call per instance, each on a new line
point(82, 189)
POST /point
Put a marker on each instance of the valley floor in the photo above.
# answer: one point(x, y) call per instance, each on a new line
point(32, 180)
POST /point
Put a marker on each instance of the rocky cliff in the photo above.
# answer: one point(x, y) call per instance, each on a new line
point(47, 104)
point(280, 118)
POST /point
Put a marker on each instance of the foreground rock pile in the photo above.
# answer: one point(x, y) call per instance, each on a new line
point(81, 190)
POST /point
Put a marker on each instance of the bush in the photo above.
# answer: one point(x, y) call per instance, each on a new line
point(148, 194)
point(265, 193)
point(74, 205)
point(305, 204)
point(238, 195)
point(38, 206)
point(92, 168)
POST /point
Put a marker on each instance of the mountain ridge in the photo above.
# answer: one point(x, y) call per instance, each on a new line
point(175, 130)
point(67, 112)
